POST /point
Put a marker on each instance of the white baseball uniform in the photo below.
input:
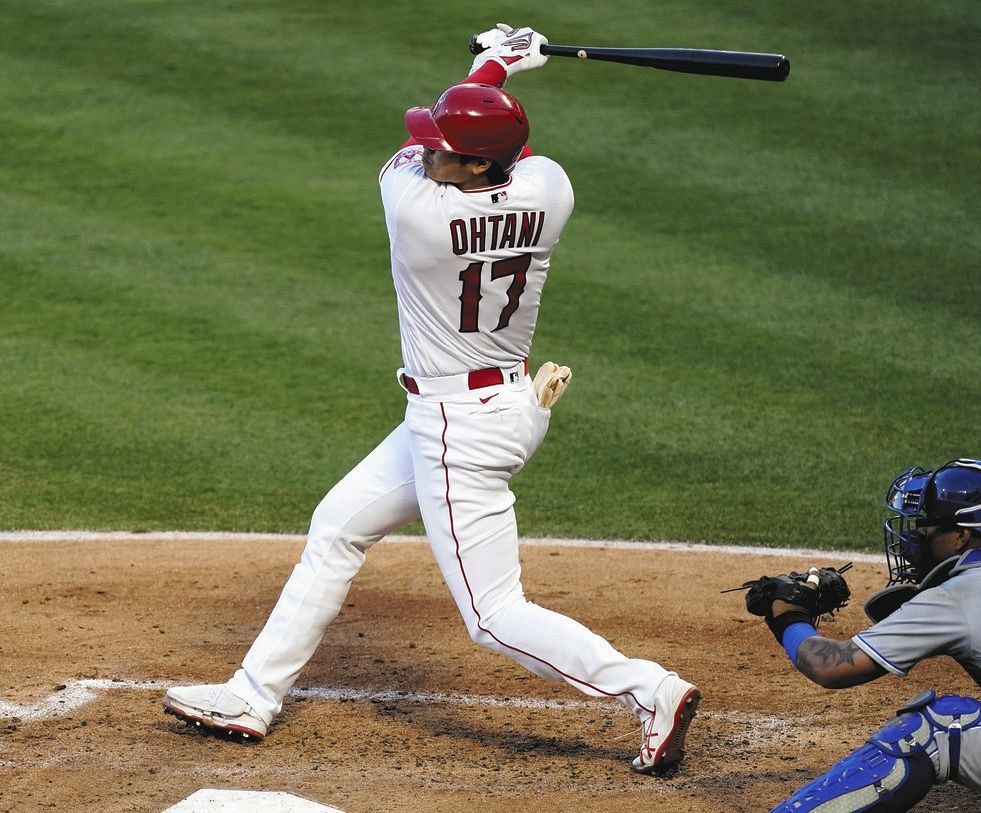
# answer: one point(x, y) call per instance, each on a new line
point(469, 267)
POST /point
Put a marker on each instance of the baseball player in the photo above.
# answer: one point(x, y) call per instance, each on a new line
point(931, 606)
point(473, 218)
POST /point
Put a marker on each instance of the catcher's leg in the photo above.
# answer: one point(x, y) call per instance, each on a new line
point(376, 497)
point(898, 765)
point(958, 723)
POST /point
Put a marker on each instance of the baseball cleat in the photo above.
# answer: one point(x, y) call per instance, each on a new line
point(662, 746)
point(215, 710)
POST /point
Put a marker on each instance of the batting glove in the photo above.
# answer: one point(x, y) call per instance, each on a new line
point(550, 382)
point(488, 40)
point(514, 49)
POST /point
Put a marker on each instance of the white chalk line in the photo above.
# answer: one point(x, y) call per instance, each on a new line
point(809, 554)
point(397, 695)
point(76, 694)
point(79, 693)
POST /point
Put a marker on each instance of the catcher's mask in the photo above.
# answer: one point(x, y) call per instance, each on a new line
point(925, 503)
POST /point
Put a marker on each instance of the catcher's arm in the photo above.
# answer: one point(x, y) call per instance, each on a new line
point(835, 664)
point(791, 605)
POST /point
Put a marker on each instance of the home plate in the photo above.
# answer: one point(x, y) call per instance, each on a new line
point(247, 801)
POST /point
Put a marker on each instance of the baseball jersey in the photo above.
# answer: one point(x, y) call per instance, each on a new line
point(469, 266)
point(942, 620)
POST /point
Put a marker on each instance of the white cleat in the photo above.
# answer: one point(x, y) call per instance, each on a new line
point(215, 708)
point(662, 746)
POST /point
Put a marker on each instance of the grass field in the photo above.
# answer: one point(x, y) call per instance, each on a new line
point(769, 293)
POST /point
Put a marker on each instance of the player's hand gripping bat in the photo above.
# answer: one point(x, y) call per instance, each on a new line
point(737, 64)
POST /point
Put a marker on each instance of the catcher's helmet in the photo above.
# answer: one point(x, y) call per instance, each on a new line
point(946, 499)
point(480, 120)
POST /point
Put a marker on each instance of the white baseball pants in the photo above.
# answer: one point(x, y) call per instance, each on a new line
point(449, 462)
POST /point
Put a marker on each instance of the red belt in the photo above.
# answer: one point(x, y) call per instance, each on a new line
point(476, 379)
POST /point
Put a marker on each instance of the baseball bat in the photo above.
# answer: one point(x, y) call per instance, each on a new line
point(737, 64)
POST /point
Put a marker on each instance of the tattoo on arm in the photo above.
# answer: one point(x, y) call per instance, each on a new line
point(820, 656)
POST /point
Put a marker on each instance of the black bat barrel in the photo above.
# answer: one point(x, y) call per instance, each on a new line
point(737, 64)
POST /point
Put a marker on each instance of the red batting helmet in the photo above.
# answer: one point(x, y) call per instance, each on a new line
point(480, 120)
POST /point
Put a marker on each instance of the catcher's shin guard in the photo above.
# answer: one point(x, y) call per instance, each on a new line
point(891, 772)
point(895, 769)
point(869, 779)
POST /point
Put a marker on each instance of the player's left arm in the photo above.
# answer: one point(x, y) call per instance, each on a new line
point(835, 664)
point(828, 662)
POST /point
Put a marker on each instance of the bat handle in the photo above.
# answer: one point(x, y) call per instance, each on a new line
point(477, 48)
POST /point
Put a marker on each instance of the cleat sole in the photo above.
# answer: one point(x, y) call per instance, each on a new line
point(232, 733)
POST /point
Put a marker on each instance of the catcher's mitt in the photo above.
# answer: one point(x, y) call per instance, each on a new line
point(820, 591)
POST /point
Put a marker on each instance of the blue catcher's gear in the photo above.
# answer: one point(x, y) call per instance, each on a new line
point(946, 499)
point(898, 764)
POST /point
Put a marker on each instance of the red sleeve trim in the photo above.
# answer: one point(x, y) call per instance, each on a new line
point(490, 73)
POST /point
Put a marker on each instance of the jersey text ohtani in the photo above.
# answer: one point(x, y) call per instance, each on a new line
point(469, 266)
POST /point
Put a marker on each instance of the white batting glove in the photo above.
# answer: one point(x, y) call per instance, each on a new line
point(514, 49)
point(488, 40)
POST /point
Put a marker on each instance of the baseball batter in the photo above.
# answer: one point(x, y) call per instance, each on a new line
point(473, 218)
point(931, 606)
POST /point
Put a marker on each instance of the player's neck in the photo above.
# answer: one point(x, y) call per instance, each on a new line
point(477, 182)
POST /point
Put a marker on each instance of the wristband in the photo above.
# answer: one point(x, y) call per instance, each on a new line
point(794, 636)
point(781, 622)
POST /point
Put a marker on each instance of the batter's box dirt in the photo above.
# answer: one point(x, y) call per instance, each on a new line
point(399, 711)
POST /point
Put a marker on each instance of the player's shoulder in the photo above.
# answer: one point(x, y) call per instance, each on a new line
point(970, 561)
point(543, 178)
point(960, 595)
point(964, 584)
point(406, 162)
point(539, 166)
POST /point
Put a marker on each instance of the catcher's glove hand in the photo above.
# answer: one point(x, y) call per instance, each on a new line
point(820, 591)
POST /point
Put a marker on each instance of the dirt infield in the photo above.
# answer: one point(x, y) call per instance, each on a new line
point(399, 710)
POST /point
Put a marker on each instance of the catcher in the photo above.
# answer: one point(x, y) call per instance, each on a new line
point(931, 606)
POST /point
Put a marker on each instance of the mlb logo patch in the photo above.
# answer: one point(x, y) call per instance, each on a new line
point(499, 197)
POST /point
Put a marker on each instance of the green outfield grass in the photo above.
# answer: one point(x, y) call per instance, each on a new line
point(769, 294)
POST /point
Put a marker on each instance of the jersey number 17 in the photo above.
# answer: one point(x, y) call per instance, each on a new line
point(470, 297)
